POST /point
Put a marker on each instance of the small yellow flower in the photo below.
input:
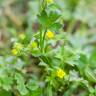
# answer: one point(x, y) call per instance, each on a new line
point(49, 1)
point(60, 73)
point(14, 51)
point(22, 36)
point(50, 34)
point(18, 46)
point(33, 45)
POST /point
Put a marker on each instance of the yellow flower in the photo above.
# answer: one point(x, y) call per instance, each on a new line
point(14, 51)
point(49, 1)
point(33, 45)
point(22, 36)
point(60, 73)
point(50, 34)
point(18, 46)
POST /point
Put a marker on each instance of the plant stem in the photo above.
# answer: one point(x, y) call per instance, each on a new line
point(41, 44)
point(44, 38)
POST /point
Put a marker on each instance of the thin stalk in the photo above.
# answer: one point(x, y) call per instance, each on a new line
point(44, 38)
point(41, 43)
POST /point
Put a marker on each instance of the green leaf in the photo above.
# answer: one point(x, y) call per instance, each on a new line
point(90, 75)
point(49, 90)
point(55, 26)
point(53, 16)
point(46, 20)
point(20, 84)
point(82, 62)
point(43, 18)
point(92, 59)
point(6, 82)
point(73, 60)
point(32, 85)
point(35, 93)
point(53, 7)
point(43, 64)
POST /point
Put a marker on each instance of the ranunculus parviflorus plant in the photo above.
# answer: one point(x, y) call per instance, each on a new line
point(60, 67)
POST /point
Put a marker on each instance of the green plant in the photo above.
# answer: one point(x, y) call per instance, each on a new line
point(50, 62)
